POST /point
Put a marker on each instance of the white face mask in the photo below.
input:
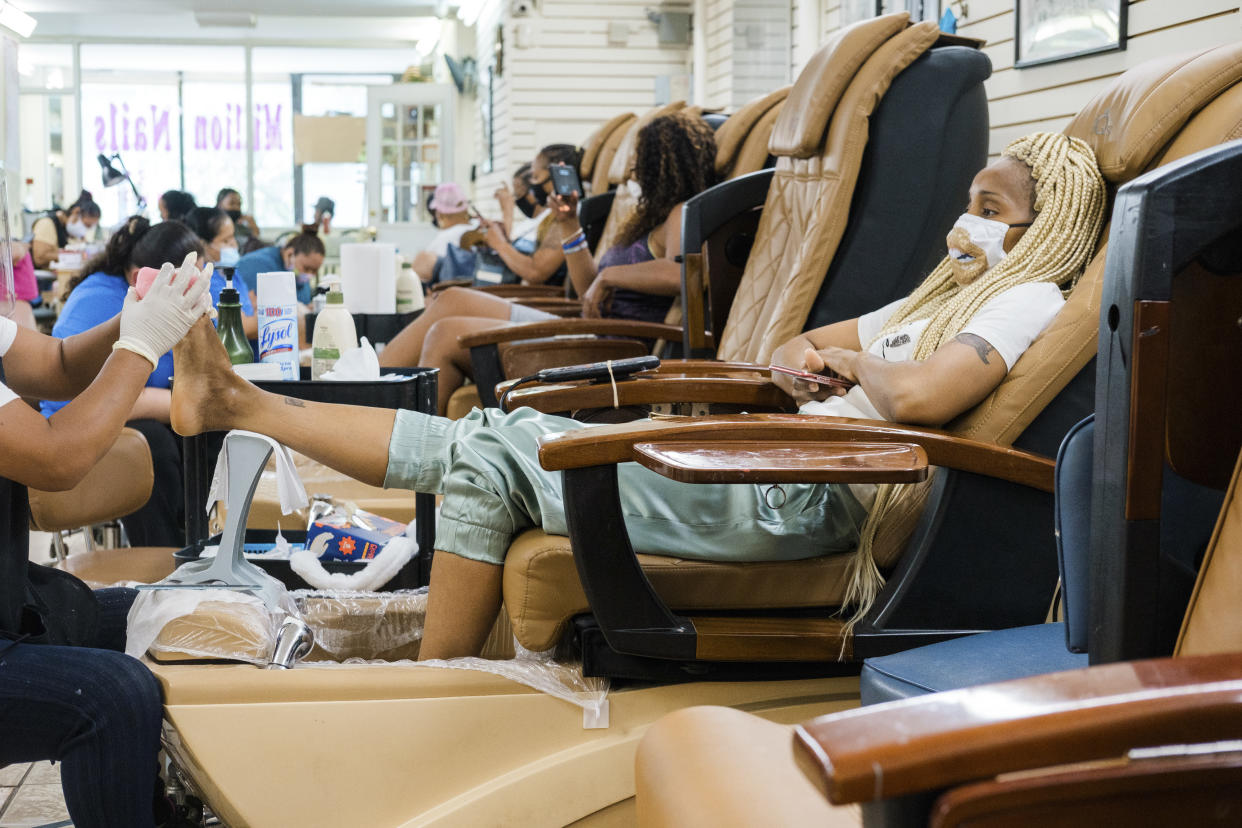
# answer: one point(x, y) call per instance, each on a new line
point(77, 229)
point(976, 245)
point(229, 256)
point(635, 191)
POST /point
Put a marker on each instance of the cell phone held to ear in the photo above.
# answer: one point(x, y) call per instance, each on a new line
point(819, 379)
point(565, 180)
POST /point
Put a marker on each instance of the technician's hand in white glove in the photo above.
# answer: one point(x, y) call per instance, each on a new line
point(150, 327)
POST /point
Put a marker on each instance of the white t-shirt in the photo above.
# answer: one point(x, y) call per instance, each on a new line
point(8, 332)
point(1009, 323)
point(449, 235)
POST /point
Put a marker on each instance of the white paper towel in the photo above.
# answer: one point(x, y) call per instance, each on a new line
point(367, 277)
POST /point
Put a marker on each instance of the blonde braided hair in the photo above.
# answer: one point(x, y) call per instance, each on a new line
point(1069, 201)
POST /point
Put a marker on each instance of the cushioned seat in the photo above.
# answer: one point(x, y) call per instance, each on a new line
point(542, 591)
point(104, 567)
point(966, 662)
point(1021, 651)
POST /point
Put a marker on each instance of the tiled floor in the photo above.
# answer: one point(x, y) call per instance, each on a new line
point(30, 795)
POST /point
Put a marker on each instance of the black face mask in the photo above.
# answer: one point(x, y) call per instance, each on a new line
point(234, 214)
point(526, 206)
point(540, 194)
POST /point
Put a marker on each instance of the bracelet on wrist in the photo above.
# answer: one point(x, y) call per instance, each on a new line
point(574, 248)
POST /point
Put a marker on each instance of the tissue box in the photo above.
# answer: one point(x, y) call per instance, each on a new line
point(353, 543)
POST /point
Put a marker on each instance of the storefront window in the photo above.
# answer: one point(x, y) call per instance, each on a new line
point(345, 183)
point(174, 117)
point(49, 138)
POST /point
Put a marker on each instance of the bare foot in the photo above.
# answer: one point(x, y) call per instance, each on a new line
point(206, 394)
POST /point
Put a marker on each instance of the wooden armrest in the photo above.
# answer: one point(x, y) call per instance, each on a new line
point(439, 286)
point(571, 327)
point(733, 461)
point(615, 443)
point(933, 742)
point(523, 291)
point(710, 367)
point(650, 390)
point(542, 302)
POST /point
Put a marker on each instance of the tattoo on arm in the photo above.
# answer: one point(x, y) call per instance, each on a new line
point(982, 346)
point(301, 404)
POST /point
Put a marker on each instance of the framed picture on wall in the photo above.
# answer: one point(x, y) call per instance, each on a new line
point(1051, 30)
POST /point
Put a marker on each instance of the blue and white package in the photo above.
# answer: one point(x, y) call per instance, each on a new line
point(278, 321)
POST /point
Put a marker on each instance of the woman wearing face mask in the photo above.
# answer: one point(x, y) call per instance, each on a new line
point(215, 228)
point(83, 221)
point(922, 360)
point(520, 197)
point(302, 255)
point(247, 230)
point(58, 228)
point(676, 160)
point(96, 297)
point(532, 252)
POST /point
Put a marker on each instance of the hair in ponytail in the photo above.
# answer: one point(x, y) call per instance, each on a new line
point(139, 244)
point(305, 243)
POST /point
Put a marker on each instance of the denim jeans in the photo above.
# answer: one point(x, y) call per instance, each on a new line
point(97, 711)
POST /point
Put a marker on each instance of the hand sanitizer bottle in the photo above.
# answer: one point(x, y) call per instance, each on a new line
point(334, 333)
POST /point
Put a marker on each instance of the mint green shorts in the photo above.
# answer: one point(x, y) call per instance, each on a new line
point(487, 467)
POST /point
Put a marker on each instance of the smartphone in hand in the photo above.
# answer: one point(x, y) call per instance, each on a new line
point(565, 180)
point(819, 379)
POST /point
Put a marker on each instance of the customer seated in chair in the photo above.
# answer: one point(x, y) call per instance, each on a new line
point(301, 255)
point(1031, 225)
point(636, 279)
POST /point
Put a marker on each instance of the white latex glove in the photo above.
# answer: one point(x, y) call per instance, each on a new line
point(150, 327)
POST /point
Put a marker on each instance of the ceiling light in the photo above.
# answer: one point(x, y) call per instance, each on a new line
point(16, 20)
point(230, 20)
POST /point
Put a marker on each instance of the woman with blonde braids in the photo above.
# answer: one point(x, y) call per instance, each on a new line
point(1030, 226)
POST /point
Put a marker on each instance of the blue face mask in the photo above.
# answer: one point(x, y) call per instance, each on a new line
point(229, 256)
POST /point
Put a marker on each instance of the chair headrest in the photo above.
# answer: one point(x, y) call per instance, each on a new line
point(734, 132)
point(595, 142)
point(625, 152)
point(799, 132)
point(1131, 121)
point(1217, 123)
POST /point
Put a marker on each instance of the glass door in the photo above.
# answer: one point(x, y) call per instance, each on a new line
point(409, 150)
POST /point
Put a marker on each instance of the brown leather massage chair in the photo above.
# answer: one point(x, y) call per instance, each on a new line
point(741, 148)
point(882, 120)
point(1122, 742)
point(970, 553)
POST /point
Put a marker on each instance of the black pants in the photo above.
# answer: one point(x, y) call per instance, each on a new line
point(97, 711)
point(162, 521)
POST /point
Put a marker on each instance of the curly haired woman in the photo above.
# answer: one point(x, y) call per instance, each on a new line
point(635, 279)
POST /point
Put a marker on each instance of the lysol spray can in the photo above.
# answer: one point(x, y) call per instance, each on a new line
point(278, 322)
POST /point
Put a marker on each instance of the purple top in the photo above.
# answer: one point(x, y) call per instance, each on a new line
point(630, 304)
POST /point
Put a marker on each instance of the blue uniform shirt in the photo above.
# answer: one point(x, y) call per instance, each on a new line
point(266, 260)
point(95, 300)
